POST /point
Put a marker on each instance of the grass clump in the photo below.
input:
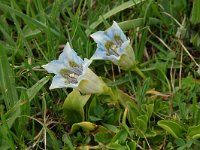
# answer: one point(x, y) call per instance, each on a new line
point(158, 112)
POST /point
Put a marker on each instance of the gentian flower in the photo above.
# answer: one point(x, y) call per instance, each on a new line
point(71, 71)
point(113, 45)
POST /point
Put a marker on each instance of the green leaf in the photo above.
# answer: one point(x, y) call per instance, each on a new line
point(137, 120)
point(93, 118)
point(24, 111)
point(133, 113)
point(130, 24)
point(195, 14)
point(188, 83)
point(87, 127)
point(132, 145)
point(125, 100)
point(179, 142)
point(25, 103)
point(111, 127)
point(141, 124)
point(6, 141)
point(9, 39)
point(180, 5)
point(103, 137)
point(66, 139)
point(54, 141)
point(73, 107)
point(12, 114)
point(195, 39)
point(121, 136)
point(95, 108)
point(8, 89)
point(116, 146)
point(7, 80)
point(171, 127)
point(148, 109)
point(150, 133)
point(194, 132)
point(31, 92)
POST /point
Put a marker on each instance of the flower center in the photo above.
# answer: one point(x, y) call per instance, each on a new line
point(72, 74)
point(112, 47)
point(118, 40)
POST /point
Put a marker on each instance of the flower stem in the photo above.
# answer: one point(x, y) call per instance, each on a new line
point(139, 72)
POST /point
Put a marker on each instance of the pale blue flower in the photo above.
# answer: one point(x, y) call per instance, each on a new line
point(71, 71)
point(113, 45)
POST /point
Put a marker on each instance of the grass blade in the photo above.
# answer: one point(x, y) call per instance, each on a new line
point(115, 10)
point(7, 80)
point(36, 87)
point(29, 20)
point(195, 15)
point(129, 24)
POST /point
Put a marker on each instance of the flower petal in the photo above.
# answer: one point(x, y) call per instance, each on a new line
point(116, 30)
point(100, 38)
point(68, 55)
point(123, 47)
point(60, 82)
point(100, 54)
point(86, 63)
point(54, 66)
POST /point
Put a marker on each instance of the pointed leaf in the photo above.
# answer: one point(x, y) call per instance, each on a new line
point(195, 15)
point(66, 139)
point(133, 113)
point(194, 132)
point(150, 133)
point(36, 88)
point(132, 145)
point(116, 146)
point(171, 127)
point(87, 127)
point(121, 136)
point(141, 123)
point(73, 107)
point(7, 80)
point(103, 137)
point(130, 24)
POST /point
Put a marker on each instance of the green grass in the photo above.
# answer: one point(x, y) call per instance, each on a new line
point(160, 112)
